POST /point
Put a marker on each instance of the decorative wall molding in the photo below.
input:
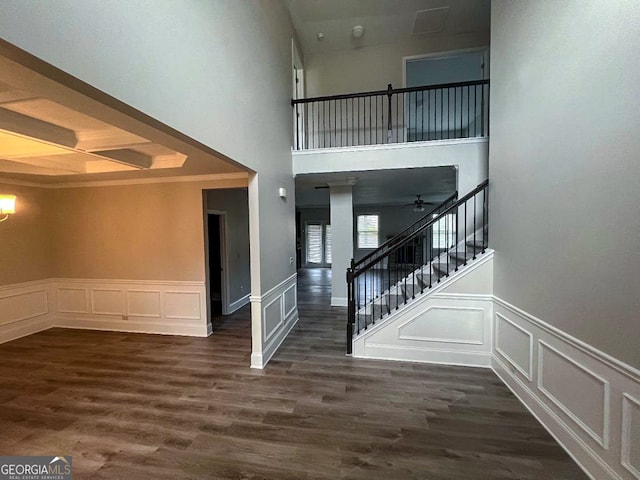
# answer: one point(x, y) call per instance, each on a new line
point(242, 177)
point(526, 371)
point(278, 311)
point(601, 437)
point(25, 308)
point(580, 395)
point(630, 451)
point(172, 308)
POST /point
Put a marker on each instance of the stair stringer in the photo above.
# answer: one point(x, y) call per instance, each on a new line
point(449, 324)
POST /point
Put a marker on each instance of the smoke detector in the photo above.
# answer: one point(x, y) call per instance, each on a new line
point(320, 36)
point(357, 31)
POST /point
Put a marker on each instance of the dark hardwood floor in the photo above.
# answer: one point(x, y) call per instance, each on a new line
point(137, 407)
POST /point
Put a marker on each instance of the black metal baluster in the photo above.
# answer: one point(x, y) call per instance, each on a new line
point(422, 122)
point(448, 113)
point(475, 113)
point(468, 110)
point(428, 114)
point(484, 225)
point(474, 226)
point(482, 111)
point(465, 233)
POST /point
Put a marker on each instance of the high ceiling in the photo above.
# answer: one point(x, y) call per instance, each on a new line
point(384, 21)
point(376, 187)
point(44, 139)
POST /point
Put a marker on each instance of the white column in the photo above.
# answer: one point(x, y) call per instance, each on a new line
point(341, 199)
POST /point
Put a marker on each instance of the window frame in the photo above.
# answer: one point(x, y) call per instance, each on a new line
point(357, 228)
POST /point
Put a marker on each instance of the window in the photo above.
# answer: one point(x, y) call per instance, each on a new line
point(444, 232)
point(318, 238)
point(368, 231)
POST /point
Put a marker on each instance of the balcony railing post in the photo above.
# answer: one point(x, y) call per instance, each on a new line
point(351, 309)
point(389, 123)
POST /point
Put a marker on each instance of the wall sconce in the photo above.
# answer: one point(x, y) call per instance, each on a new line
point(7, 206)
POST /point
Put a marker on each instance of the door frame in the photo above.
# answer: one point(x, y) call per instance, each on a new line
point(323, 224)
point(298, 92)
point(224, 259)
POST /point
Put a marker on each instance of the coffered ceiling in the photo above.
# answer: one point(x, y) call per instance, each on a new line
point(52, 133)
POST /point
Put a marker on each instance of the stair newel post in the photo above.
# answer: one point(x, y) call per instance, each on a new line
point(389, 123)
point(351, 311)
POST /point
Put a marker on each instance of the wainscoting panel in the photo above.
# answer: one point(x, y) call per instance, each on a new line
point(631, 434)
point(583, 397)
point(73, 300)
point(452, 329)
point(141, 303)
point(107, 301)
point(25, 308)
point(173, 308)
point(278, 313)
point(515, 345)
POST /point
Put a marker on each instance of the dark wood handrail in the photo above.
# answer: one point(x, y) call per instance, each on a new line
point(359, 270)
point(401, 235)
point(389, 91)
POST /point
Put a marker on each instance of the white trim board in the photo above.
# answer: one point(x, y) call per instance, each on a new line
point(240, 176)
point(238, 304)
point(389, 146)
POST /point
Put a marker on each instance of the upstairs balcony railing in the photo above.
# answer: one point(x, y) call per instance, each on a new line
point(416, 114)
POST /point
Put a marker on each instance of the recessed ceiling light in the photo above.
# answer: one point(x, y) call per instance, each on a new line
point(320, 36)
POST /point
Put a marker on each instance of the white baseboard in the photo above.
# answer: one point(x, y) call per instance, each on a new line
point(339, 302)
point(108, 325)
point(238, 304)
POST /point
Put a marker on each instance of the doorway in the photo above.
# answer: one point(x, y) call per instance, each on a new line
point(318, 244)
point(217, 284)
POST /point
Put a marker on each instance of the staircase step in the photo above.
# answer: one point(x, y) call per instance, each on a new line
point(460, 256)
point(478, 244)
point(444, 267)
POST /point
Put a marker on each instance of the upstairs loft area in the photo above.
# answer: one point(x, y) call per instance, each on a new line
point(425, 113)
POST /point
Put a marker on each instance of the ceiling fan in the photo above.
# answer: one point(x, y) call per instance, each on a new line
point(418, 204)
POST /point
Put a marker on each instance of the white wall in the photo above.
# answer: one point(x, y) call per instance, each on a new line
point(341, 197)
point(235, 204)
point(190, 65)
point(564, 197)
point(373, 68)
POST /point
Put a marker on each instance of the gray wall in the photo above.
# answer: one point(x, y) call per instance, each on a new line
point(212, 70)
point(372, 68)
point(564, 166)
point(235, 204)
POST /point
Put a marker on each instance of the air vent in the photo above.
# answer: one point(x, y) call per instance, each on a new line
point(430, 21)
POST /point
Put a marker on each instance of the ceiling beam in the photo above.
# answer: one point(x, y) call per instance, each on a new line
point(127, 157)
point(34, 128)
point(7, 166)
